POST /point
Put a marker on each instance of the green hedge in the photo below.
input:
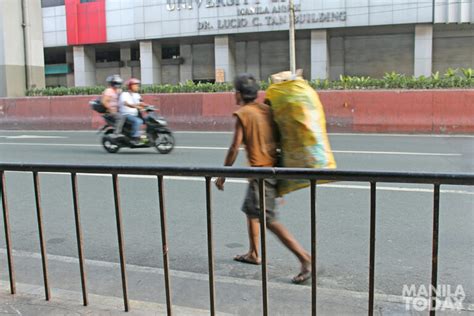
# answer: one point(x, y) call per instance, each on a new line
point(452, 79)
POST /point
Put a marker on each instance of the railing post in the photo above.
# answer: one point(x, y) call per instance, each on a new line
point(263, 236)
point(373, 201)
point(313, 249)
point(39, 214)
point(80, 248)
point(6, 223)
point(121, 242)
point(164, 242)
point(210, 248)
point(434, 257)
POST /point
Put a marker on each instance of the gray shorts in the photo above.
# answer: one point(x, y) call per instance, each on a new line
point(251, 206)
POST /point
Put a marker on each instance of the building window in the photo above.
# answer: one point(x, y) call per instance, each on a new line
point(51, 3)
point(54, 56)
point(104, 56)
point(135, 54)
point(170, 52)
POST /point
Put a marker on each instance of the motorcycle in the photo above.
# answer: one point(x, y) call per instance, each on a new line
point(157, 134)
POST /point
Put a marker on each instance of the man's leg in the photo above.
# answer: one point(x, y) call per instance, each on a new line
point(119, 121)
point(253, 229)
point(294, 246)
point(137, 122)
point(253, 226)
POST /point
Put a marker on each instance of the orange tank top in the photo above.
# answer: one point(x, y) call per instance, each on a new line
point(259, 134)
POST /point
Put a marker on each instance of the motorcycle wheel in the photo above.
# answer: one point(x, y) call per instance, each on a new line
point(164, 143)
point(107, 143)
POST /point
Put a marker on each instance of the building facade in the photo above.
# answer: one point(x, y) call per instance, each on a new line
point(171, 41)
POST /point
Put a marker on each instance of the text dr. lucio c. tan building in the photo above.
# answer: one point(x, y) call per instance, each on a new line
point(81, 42)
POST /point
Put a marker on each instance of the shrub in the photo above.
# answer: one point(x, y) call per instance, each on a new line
point(452, 79)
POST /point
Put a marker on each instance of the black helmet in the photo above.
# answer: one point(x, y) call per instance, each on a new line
point(114, 81)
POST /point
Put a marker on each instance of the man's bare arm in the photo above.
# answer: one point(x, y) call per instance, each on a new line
point(235, 146)
point(106, 102)
point(233, 151)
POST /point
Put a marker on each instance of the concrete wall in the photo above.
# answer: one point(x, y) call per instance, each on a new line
point(170, 74)
point(303, 56)
point(136, 72)
point(337, 57)
point(431, 111)
point(102, 73)
point(375, 55)
point(453, 47)
point(248, 57)
point(371, 51)
point(274, 57)
point(203, 61)
point(56, 81)
point(263, 58)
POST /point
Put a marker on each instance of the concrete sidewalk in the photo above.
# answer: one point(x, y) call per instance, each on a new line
point(235, 296)
point(31, 301)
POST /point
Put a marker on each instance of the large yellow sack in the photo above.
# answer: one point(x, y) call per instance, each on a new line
point(299, 114)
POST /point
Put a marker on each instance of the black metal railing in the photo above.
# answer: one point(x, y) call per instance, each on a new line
point(312, 175)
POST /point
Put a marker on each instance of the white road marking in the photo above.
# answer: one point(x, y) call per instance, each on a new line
point(51, 144)
point(358, 152)
point(32, 137)
point(394, 153)
point(218, 278)
point(203, 148)
point(242, 181)
point(351, 134)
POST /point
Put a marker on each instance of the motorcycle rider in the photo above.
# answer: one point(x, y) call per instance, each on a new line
point(129, 105)
point(110, 100)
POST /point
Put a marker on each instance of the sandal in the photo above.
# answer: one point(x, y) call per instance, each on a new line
point(245, 259)
point(302, 277)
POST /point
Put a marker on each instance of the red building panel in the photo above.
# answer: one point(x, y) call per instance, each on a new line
point(85, 22)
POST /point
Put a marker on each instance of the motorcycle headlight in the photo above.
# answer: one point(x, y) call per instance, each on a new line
point(162, 122)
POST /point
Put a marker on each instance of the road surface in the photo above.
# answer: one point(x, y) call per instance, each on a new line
point(404, 214)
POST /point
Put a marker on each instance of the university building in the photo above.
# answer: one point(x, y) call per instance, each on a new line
point(81, 42)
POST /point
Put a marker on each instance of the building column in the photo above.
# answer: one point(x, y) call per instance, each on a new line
point(423, 50)
point(186, 68)
point(125, 58)
point(319, 54)
point(150, 62)
point(21, 47)
point(253, 58)
point(34, 44)
point(224, 48)
point(84, 66)
point(70, 61)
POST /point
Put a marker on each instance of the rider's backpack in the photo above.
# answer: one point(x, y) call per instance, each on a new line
point(98, 106)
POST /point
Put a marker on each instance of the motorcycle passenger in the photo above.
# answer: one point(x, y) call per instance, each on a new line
point(110, 100)
point(129, 106)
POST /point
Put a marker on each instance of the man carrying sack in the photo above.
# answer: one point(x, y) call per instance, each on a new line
point(255, 128)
